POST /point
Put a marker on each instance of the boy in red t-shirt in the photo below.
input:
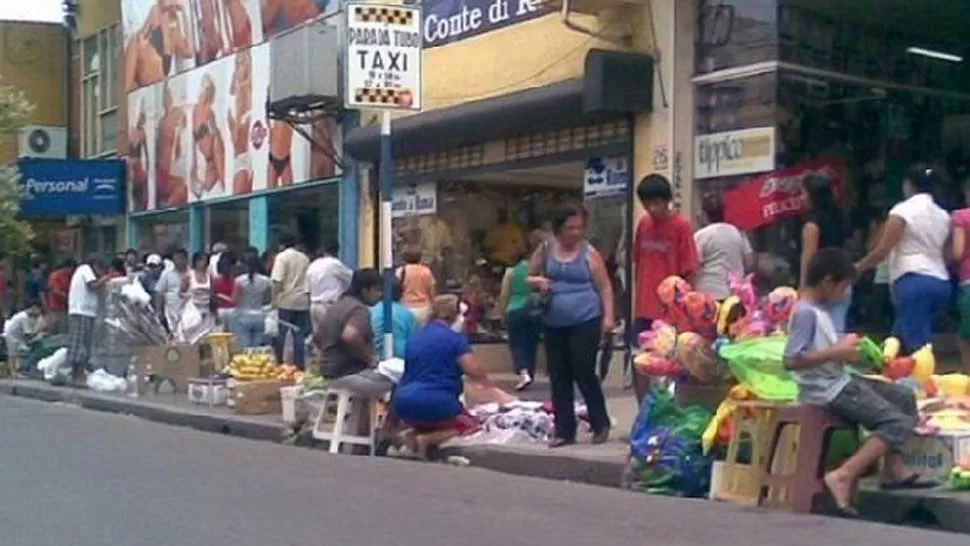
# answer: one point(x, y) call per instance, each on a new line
point(663, 246)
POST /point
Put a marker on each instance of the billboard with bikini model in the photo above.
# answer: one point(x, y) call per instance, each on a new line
point(197, 126)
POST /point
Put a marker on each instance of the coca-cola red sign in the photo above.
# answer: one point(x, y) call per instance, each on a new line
point(776, 195)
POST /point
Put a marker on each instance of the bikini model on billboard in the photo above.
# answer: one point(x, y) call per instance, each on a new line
point(240, 123)
point(151, 49)
point(240, 27)
point(170, 189)
point(138, 160)
point(208, 141)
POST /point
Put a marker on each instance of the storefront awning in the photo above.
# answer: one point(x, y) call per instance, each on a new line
point(613, 84)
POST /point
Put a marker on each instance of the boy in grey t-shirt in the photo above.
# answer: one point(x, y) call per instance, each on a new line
point(816, 355)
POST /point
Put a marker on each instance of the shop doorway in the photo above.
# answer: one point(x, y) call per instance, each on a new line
point(311, 214)
point(465, 241)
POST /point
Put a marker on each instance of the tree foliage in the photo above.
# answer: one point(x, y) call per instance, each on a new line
point(15, 234)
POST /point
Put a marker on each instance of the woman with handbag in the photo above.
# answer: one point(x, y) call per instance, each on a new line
point(578, 312)
point(522, 318)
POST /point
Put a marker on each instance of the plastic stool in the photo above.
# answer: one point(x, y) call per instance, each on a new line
point(742, 468)
point(346, 419)
point(804, 483)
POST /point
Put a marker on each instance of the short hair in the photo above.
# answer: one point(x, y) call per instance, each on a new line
point(287, 240)
point(32, 302)
point(70, 263)
point(199, 257)
point(364, 279)
point(713, 207)
point(411, 254)
point(563, 213)
point(445, 307)
point(829, 264)
point(924, 178)
point(654, 187)
point(180, 252)
point(331, 247)
point(131, 251)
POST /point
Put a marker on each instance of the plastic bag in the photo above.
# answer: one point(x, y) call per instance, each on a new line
point(665, 447)
point(271, 327)
point(135, 293)
point(194, 324)
point(759, 365)
point(102, 381)
point(392, 368)
point(50, 365)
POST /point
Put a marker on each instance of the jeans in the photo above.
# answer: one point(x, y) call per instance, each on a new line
point(296, 322)
point(523, 341)
point(919, 300)
point(249, 328)
point(571, 352)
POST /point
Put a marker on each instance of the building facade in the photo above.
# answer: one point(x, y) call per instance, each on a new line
point(206, 162)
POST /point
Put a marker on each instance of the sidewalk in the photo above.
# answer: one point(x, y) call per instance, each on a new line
point(598, 465)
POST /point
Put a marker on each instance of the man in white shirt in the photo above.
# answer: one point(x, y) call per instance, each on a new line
point(217, 250)
point(168, 297)
point(327, 279)
point(291, 298)
point(82, 310)
point(19, 331)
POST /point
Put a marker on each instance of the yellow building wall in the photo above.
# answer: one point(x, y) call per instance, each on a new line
point(93, 15)
point(526, 55)
point(33, 58)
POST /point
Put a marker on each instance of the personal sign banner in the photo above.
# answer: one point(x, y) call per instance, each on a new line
point(61, 187)
point(383, 57)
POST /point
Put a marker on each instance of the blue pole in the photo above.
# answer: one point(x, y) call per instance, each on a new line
point(386, 174)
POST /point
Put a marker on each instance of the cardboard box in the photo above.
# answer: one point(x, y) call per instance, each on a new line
point(257, 397)
point(175, 364)
point(934, 456)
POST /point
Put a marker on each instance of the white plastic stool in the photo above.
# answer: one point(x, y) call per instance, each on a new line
point(345, 418)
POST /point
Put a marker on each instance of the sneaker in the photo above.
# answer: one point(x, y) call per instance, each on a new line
point(524, 381)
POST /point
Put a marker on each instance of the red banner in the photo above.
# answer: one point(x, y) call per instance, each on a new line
point(777, 195)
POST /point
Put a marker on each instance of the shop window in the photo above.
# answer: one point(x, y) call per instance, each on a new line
point(737, 104)
point(750, 36)
point(99, 96)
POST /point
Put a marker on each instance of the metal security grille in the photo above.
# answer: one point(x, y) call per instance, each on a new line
point(566, 140)
point(446, 160)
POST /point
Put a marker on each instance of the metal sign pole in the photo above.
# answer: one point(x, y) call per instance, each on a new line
point(386, 174)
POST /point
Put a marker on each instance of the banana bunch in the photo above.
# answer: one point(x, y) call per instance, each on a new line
point(253, 366)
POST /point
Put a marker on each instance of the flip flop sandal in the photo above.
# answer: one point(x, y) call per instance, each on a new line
point(845, 512)
point(913, 481)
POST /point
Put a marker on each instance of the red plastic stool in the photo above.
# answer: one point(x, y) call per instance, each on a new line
point(804, 484)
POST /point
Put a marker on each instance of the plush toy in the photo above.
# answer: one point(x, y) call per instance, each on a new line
point(701, 311)
point(925, 364)
point(743, 288)
point(779, 305)
point(652, 365)
point(671, 293)
point(659, 340)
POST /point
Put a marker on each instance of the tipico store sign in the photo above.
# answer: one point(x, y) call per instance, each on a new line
point(383, 62)
point(734, 153)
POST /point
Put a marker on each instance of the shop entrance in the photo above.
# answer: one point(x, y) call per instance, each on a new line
point(310, 214)
point(464, 241)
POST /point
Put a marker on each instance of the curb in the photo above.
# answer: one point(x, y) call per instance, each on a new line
point(937, 509)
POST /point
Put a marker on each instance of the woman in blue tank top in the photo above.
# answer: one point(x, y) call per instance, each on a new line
point(571, 273)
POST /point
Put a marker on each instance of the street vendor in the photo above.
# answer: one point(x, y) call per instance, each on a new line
point(427, 398)
point(816, 358)
point(20, 331)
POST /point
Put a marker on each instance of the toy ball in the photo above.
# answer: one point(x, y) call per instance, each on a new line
point(694, 354)
point(672, 291)
point(780, 303)
point(700, 308)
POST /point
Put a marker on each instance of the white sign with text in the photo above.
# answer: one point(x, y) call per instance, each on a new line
point(383, 57)
point(732, 153)
point(415, 200)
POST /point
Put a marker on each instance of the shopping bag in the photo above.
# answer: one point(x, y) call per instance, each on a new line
point(271, 327)
point(759, 365)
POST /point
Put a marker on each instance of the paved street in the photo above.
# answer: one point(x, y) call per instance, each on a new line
point(81, 478)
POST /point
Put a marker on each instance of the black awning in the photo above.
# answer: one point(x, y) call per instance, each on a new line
point(585, 100)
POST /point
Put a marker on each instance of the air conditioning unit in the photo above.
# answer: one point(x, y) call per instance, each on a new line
point(43, 141)
point(303, 68)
